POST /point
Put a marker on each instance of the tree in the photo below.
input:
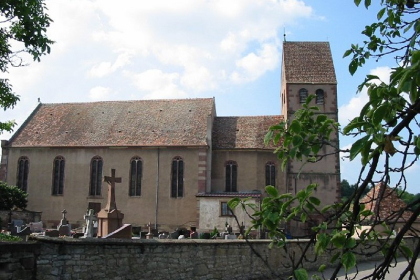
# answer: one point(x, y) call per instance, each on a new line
point(347, 190)
point(23, 26)
point(12, 197)
point(390, 116)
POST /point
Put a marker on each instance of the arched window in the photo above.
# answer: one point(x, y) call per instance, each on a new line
point(303, 94)
point(319, 96)
point(231, 176)
point(270, 174)
point(177, 184)
point(22, 174)
point(95, 176)
point(58, 176)
point(135, 176)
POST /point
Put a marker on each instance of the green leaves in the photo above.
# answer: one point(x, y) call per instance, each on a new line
point(12, 197)
point(304, 137)
point(301, 274)
point(348, 260)
point(23, 23)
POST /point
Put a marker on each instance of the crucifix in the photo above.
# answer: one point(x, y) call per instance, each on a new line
point(111, 205)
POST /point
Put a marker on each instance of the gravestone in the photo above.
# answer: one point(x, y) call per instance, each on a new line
point(163, 235)
point(52, 233)
point(16, 226)
point(36, 226)
point(174, 235)
point(110, 218)
point(64, 230)
point(63, 221)
point(90, 219)
point(150, 234)
point(124, 232)
point(230, 236)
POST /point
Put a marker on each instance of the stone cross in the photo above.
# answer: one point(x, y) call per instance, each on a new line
point(111, 205)
point(150, 234)
point(63, 221)
point(90, 218)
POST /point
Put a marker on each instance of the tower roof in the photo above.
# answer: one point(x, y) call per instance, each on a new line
point(308, 62)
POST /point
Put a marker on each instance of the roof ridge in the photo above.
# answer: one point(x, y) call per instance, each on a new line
point(127, 101)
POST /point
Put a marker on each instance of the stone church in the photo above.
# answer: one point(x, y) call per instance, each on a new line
point(179, 163)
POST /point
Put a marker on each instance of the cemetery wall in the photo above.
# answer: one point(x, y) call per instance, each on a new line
point(66, 258)
point(24, 215)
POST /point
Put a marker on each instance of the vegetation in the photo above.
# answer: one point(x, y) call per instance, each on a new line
point(387, 143)
point(348, 190)
point(12, 197)
point(23, 26)
point(7, 237)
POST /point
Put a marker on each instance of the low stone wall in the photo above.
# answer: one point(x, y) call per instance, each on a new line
point(66, 258)
point(25, 215)
point(18, 260)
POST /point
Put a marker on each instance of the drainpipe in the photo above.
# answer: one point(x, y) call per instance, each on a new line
point(157, 188)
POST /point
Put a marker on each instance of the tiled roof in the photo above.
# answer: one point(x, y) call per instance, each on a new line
point(308, 62)
point(389, 204)
point(230, 194)
point(117, 123)
point(242, 132)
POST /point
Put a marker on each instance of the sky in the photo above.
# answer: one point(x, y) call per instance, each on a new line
point(226, 49)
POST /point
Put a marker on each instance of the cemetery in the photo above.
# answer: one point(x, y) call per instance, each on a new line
point(109, 249)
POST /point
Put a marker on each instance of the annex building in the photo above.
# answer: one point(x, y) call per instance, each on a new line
point(178, 161)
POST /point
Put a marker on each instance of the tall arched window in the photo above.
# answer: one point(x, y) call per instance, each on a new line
point(58, 176)
point(303, 94)
point(319, 96)
point(177, 184)
point(95, 176)
point(135, 176)
point(22, 174)
point(231, 176)
point(270, 174)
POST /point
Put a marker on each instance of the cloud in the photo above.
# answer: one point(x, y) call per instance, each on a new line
point(157, 85)
point(105, 68)
point(252, 66)
point(198, 40)
point(100, 93)
point(352, 109)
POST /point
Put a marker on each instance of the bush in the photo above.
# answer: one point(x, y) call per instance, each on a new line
point(12, 197)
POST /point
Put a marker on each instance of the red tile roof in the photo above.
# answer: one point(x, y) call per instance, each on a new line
point(308, 62)
point(254, 194)
point(242, 132)
point(117, 123)
point(389, 204)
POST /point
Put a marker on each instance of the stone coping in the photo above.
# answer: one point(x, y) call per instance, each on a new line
point(116, 241)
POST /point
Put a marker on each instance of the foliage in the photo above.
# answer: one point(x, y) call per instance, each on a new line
point(214, 233)
point(386, 127)
point(348, 190)
point(23, 26)
point(6, 237)
point(12, 197)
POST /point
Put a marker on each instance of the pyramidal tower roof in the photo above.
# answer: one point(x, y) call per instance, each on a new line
point(308, 62)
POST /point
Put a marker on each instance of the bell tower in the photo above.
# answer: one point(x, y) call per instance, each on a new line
point(308, 68)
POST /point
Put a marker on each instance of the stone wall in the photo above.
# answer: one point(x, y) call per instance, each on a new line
point(65, 258)
point(24, 215)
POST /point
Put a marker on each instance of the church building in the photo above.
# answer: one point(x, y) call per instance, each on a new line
point(179, 163)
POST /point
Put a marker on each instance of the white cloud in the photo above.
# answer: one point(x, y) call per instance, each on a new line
point(157, 85)
point(252, 66)
point(100, 93)
point(352, 109)
point(105, 68)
